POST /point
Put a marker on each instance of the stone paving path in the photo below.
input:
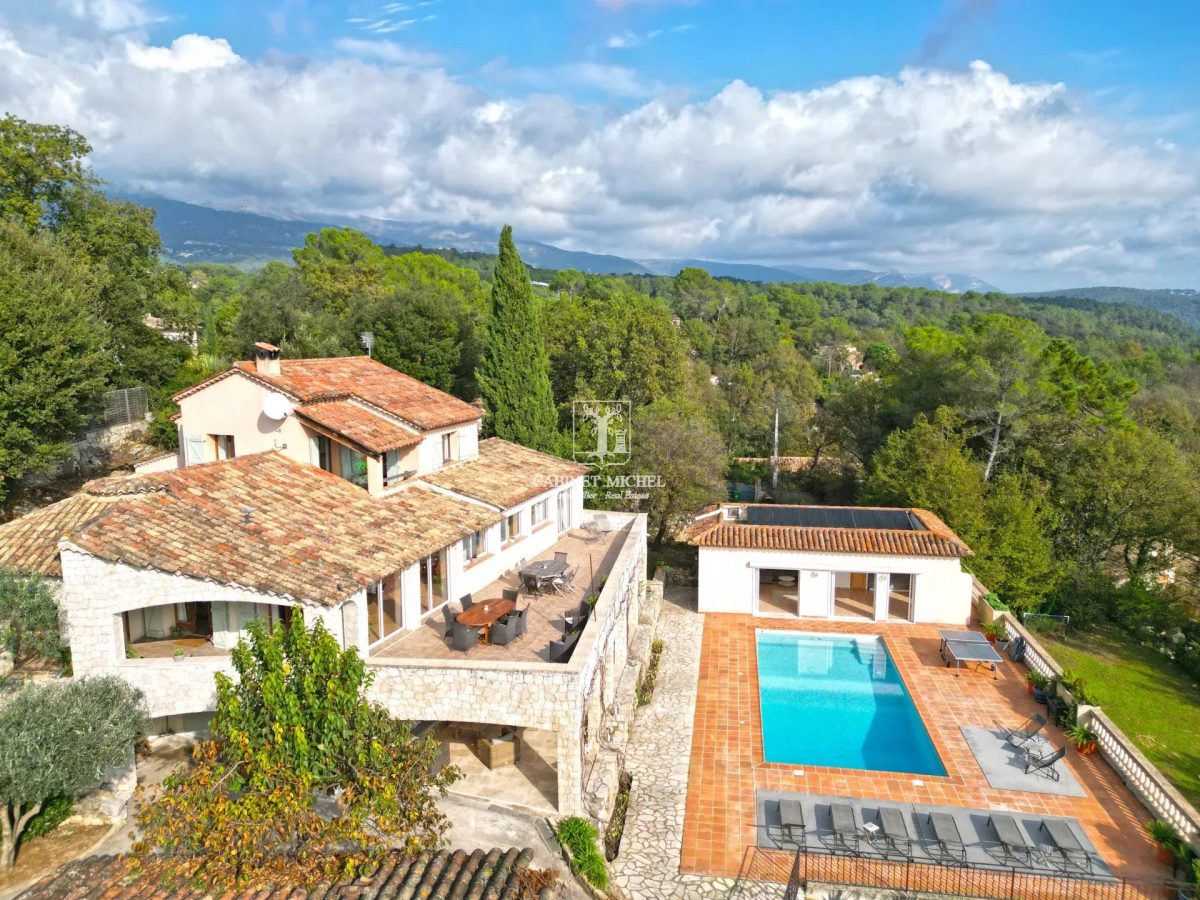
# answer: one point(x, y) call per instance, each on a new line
point(657, 757)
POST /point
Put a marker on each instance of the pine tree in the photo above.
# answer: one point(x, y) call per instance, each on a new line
point(514, 374)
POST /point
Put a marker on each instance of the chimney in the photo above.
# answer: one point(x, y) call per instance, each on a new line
point(266, 358)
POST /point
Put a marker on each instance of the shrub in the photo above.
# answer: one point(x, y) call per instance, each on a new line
point(1163, 833)
point(53, 814)
point(579, 837)
point(996, 603)
point(645, 688)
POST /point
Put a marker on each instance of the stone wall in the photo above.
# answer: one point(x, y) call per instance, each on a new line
point(547, 696)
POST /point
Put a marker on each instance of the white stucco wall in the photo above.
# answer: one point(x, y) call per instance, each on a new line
point(728, 580)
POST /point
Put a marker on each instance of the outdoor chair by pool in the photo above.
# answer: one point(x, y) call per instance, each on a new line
point(895, 831)
point(948, 842)
point(845, 831)
point(503, 632)
point(465, 637)
point(531, 585)
point(466, 601)
point(1066, 846)
point(1026, 731)
point(448, 618)
point(510, 594)
point(1011, 843)
point(791, 821)
point(1043, 763)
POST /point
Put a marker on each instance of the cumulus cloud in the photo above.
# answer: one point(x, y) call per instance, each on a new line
point(929, 169)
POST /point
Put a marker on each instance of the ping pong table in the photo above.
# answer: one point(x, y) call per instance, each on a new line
point(960, 647)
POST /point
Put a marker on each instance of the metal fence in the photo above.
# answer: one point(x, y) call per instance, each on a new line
point(124, 406)
point(909, 875)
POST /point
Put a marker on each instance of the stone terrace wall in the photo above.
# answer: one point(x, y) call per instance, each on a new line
point(548, 696)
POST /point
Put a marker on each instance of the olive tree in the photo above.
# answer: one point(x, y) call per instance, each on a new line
point(28, 617)
point(60, 740)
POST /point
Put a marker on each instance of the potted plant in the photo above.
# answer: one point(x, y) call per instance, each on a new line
point(993, 631)
point(1165, 840)
point(1083, 738)
point(1037, 686)
point(178, 653)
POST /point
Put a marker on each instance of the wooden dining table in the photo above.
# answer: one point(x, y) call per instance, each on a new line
point(485, 613)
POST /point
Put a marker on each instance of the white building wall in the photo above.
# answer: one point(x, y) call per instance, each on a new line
point(728, 580)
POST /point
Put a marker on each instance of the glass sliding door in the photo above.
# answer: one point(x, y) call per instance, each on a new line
point(390, 609)
point(900, 597)
point(433, 581)
point(373, 612)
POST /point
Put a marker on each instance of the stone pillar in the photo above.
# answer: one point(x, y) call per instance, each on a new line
point(570, 771)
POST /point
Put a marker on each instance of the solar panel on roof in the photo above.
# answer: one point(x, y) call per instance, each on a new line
point(833, 517)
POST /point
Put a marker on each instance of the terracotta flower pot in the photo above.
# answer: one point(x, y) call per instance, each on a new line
point(1163, 853)
point(1029, 687)
point(1086, 749)
point(991, 638)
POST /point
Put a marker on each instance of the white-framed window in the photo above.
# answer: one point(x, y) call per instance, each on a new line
point(510, 528)
point(223, 445)
point(475, 545)
point(391, 467)
point(447, 448)
point(539, 512)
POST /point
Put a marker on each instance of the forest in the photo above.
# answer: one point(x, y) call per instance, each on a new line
point(1059, 436)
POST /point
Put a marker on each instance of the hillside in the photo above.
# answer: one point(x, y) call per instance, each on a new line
point(1183, 303)
point(196, 234)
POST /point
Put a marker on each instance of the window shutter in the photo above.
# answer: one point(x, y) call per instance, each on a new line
point(194, 449)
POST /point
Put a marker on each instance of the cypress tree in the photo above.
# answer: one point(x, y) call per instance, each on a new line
point(514, 374)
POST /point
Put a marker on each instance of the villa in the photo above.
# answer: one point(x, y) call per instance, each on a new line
point(366, 499)
point(831, 562)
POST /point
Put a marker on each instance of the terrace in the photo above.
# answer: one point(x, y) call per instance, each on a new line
point(725, 828)
point(590, 556)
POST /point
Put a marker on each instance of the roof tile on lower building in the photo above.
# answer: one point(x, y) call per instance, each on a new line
point(442, 875)
point(29, 544)
point(505, 474)
point(370, 430)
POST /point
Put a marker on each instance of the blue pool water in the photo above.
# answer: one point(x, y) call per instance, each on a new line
point(839, 701)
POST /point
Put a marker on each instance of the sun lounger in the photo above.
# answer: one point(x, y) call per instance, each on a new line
point(963, 651)
point(895, 831)
point(948, 839)
point(791, 820)
point(1043, 763)
point(1027, 731)
point(1066, 845)
point(1011, 841)
point(845, 831)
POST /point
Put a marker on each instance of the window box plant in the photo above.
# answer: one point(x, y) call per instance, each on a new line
point(1166, 840)
point(1083, 738)
point(178, 654)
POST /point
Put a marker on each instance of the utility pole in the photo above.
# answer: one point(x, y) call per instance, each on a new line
point(775, 455)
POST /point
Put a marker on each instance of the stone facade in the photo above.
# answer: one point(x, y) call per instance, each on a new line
point(578, 701)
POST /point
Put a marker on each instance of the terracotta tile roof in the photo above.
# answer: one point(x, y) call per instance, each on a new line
point(338, 378)
point(505, 474)
point(937, 540)
point(372, 431)
point(30, 544)
point(434, 876)
point(310, 535)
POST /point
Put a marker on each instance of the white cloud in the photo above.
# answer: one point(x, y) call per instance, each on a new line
point(110, 15)
point(188, 53)
point(629, 39)
point(387, 52)
point(930, 169)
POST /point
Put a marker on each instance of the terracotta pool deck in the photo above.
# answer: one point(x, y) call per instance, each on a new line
point(727, 764)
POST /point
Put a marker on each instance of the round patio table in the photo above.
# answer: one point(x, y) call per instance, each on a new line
point(484, 614)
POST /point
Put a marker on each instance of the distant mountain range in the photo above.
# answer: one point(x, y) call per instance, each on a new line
point(193, 234)
point(1183, 303)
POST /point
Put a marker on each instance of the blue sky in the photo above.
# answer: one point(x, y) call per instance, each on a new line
point(1033, 144)
point(1134, 59)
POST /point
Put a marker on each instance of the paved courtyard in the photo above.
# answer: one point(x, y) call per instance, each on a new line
point(728, 766)
point(658, 760)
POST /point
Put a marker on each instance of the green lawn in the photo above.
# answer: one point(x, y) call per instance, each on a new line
point(1149, 699)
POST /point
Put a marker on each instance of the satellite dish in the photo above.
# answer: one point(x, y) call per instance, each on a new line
point(276, 406)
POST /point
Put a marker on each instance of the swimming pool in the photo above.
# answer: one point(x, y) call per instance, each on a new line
point(838, 700)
